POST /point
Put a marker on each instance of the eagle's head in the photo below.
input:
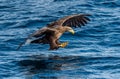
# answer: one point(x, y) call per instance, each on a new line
point(69, 29)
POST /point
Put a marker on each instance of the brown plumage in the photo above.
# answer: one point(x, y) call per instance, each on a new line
point(53, 31)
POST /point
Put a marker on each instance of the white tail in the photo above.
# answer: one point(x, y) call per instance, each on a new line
point(28, 41)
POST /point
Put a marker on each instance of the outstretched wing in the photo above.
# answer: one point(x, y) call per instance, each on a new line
point(39, 33)
point(74, 20)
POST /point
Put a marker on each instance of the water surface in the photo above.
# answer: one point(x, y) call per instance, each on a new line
point(93, 52)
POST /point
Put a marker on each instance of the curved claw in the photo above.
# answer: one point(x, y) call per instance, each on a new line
point(63, 44)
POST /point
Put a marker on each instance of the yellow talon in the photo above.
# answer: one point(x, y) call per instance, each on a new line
point(63, 44)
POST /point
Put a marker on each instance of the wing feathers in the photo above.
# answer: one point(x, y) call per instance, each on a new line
point(87, 18)
point(85, 21)
point(74, 24)
point(39, 32)
point(42, 32)
point(74, 20)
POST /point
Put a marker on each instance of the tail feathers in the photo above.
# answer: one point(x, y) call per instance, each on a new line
point(28, 41)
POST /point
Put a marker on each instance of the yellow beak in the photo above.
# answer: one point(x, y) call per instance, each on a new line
point(72, 31)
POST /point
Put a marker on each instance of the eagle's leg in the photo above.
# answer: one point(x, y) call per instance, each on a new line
point(53, 44)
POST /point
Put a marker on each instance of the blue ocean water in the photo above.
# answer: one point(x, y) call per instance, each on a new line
point(93, 52)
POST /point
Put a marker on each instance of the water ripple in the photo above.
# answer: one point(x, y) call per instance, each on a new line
point(93, 52)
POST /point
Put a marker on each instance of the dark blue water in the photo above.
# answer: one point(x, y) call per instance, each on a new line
point(93, 52)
